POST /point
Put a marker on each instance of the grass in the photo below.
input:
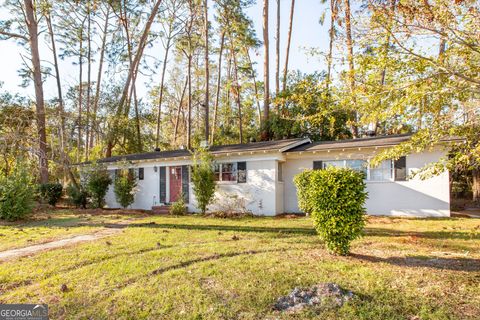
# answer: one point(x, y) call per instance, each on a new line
point(205, 268)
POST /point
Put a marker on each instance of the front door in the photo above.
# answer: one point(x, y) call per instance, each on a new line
point(175, 183)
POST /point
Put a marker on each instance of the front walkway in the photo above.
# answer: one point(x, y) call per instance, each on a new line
point(30, 250)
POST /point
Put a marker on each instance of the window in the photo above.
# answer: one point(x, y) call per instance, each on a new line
point(216, 169)
point(400, 169)
point(383, 172)
point(140, 174)
point(242, 172)
point(317, 165)
point(231, 171)
point(280, 171)
point(359, 165)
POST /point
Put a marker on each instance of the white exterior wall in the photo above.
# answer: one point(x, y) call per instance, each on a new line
point(259, 195)
point(414, 197)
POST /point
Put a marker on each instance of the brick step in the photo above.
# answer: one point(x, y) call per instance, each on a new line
point(164, 209)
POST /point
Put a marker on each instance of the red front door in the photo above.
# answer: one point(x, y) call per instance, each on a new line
point(175, 183)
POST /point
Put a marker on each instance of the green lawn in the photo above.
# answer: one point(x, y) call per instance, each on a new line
point(193, 268)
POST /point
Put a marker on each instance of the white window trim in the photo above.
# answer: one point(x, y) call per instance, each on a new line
point(280, 163)
point(220, 181)
point(369, 168)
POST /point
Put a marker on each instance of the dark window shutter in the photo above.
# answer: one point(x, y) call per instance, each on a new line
point(401, 169)
point(131, 173)
point(117, 173)
point(163, 185)
point(185, 183)
point(140, 173)
point(317, 165)
point(241, 172)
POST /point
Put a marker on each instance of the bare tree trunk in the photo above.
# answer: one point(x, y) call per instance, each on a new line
point(289, 38)
point(177, 118)
point(333, 18)
point(351, 66)
point(207, 73)
point(237, 95)
point(277, 52)
point(61, 109)
point(255, 87)
point(160, 97)
point(99, 78)
point(89, 74)
point(37, 81)
point(131, 74)
point(80, 95)
point(189, 110)
point(266, 74)
point(219, 81)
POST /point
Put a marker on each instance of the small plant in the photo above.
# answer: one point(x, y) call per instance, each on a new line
point(98, 180)
point(203, 179)
point(78, 196)
point(16, 194)
point(178, 208)
point(50, 192)
point(124, 187)
point(335, 197)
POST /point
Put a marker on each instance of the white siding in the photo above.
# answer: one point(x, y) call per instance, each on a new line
point(430, 197)
point(258, 195)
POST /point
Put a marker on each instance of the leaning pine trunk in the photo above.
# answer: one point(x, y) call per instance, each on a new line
point(38, 84)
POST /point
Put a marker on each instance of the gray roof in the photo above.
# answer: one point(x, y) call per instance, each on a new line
point(353, 143)
point(272, 146)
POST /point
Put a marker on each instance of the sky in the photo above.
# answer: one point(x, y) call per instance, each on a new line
point(307, 33)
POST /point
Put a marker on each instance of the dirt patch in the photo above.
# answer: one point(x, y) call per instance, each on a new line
point(30, 250)
point(326, 295)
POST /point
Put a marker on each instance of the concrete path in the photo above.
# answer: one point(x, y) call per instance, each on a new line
point(26, 251)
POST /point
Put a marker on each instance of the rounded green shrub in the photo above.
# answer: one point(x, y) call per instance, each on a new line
point(124, 188)
point(335, 198)
point(98, 180)
point(50, 192)
point(16, 195)
point(178, 208)
point(78, 196)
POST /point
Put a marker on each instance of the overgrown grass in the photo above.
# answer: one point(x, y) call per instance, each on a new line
point(204, 268)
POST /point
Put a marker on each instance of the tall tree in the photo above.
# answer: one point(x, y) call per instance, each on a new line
point(172, 29)
point(266, 74)
point(111, 140)
point(32, 27)
point(351, 66)
point(289, 38)
point(207, 72)
point(277, 51)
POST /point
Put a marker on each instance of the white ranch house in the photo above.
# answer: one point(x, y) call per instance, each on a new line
point(258, 177)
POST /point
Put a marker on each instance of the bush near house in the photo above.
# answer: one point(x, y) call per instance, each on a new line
point(203, 179)
point(124, 187)
point(178, 208)
point(50, 192)
point(335, 197)
point(16, 194)
point(78, 196)
point(98, 179)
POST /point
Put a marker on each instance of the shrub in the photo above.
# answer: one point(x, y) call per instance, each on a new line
point(98, 180)
point(178, 208)
point(124, 188)
point(203, 179)
point(335, 197)
point(16, 194)
point(78, 196)
point(50, 192)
